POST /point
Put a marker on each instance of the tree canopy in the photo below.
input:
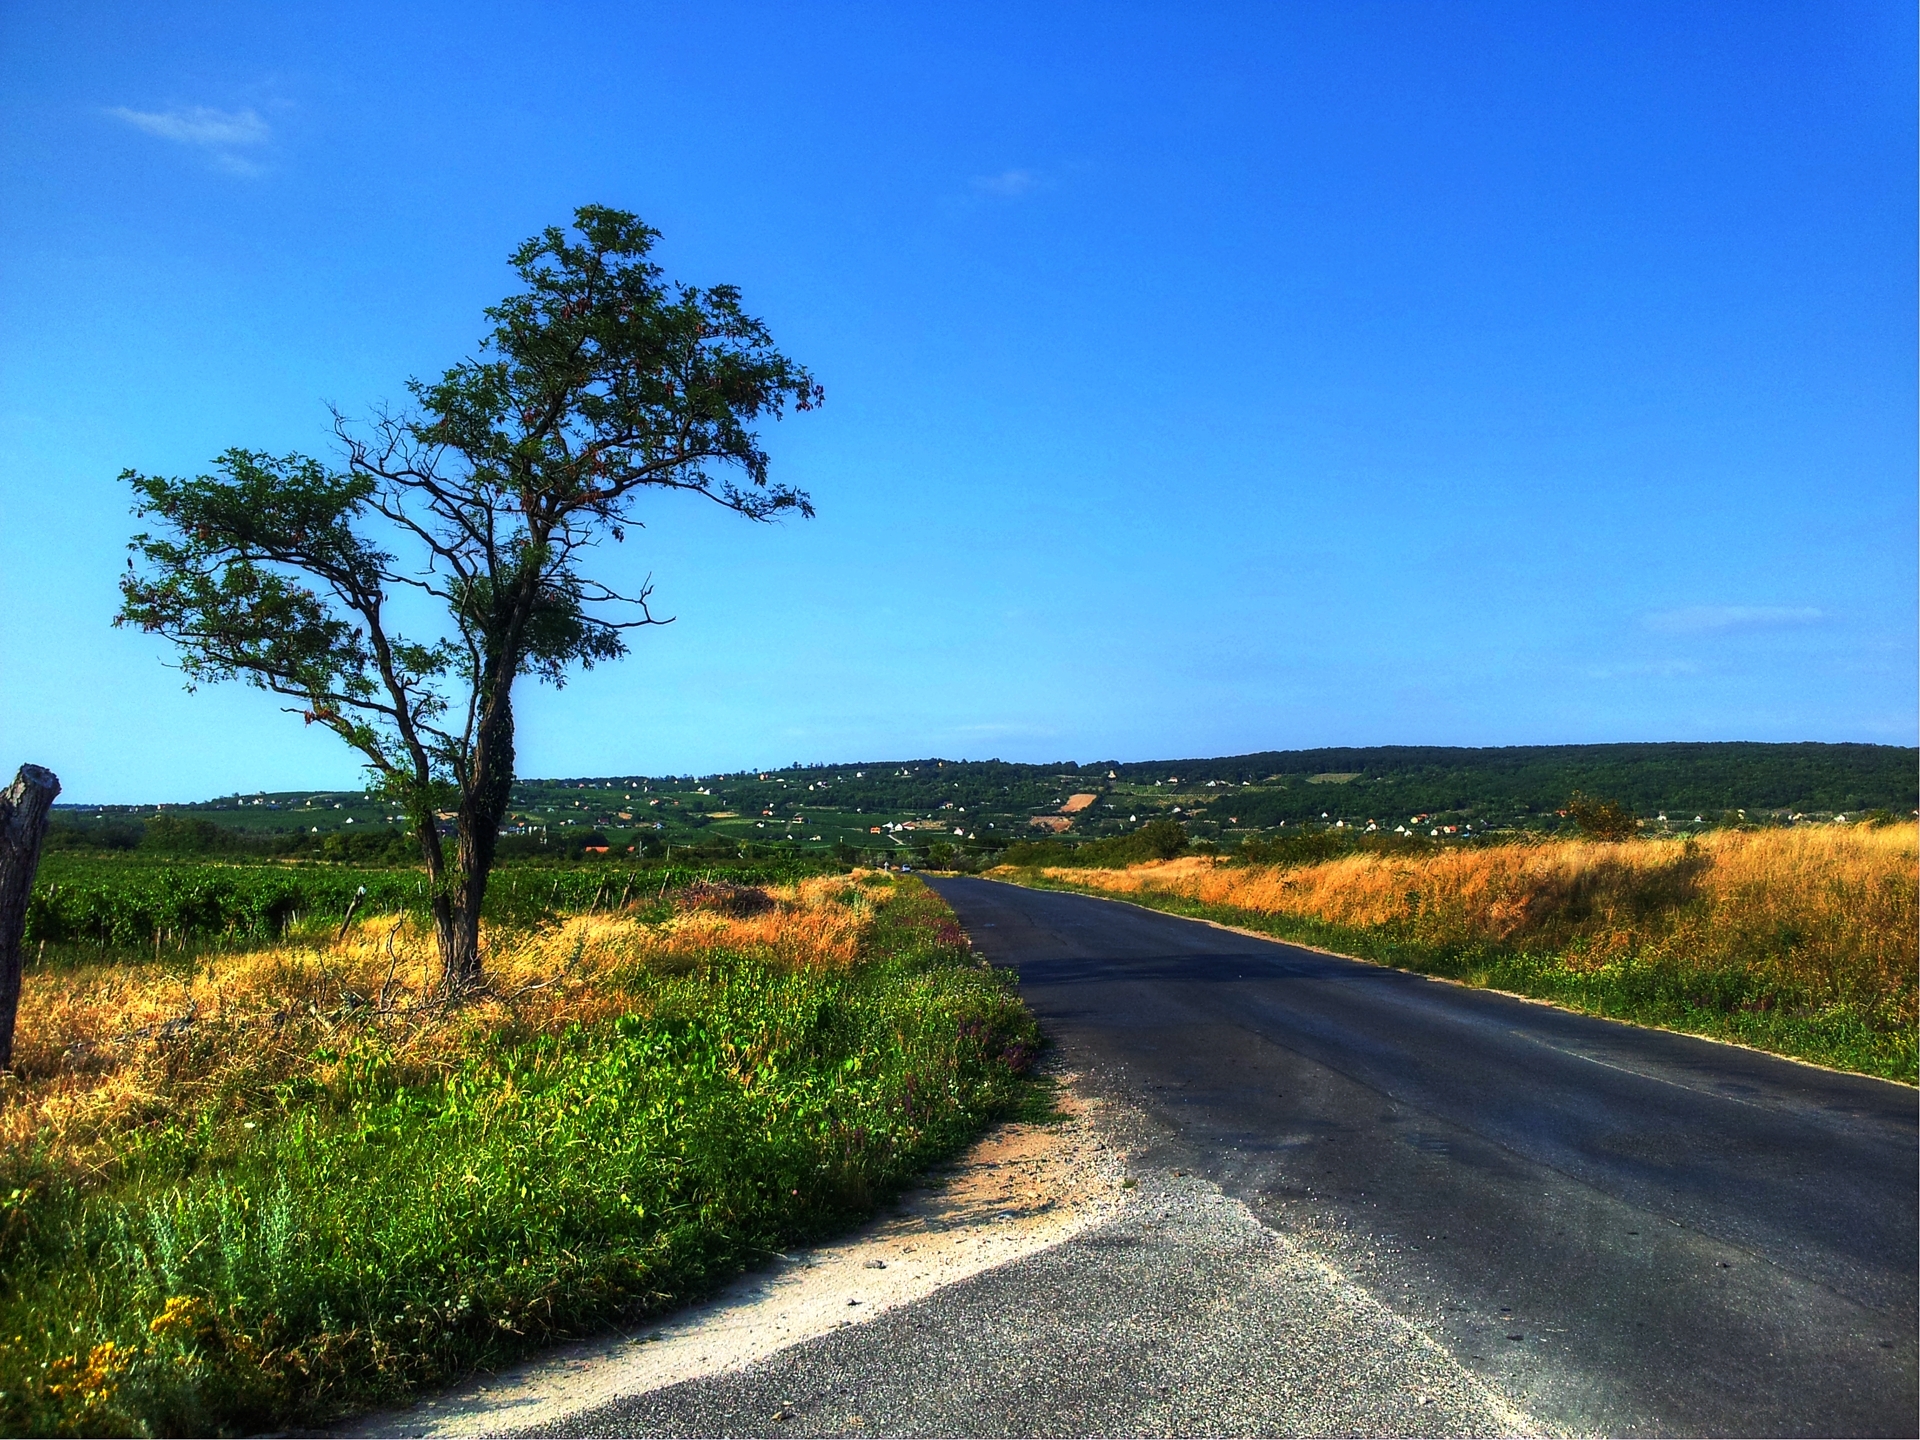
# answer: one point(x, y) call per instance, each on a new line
point(599, 382)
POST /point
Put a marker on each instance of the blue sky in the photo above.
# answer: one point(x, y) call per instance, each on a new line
point(1200, 379)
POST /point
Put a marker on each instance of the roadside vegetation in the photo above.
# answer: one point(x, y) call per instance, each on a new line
point(1799, 941)
point(260, 1187)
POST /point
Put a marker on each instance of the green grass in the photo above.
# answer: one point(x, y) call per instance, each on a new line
point(1724, 1003)
point(349, 1245)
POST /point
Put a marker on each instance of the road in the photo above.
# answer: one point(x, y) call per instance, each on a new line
point(1625, 1230)
point(1343, 1199)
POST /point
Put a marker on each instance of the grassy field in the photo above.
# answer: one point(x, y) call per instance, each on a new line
point(256, 1189)
point(1798, 941)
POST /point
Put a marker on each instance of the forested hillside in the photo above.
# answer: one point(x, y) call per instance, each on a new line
point(894, 807)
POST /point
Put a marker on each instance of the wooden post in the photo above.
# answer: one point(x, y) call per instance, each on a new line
point(24, 808)
point(352, 905)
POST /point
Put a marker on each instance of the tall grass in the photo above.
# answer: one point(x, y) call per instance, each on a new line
point(1801, 941)
point(262, 1189)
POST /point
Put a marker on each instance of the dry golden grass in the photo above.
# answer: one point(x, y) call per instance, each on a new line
point(1827, 913)
point(104, 1049)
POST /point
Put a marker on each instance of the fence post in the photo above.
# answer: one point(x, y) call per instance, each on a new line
point(24, 807)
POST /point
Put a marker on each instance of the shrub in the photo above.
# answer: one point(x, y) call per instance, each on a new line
point(1160, 839)
point(1602, 819)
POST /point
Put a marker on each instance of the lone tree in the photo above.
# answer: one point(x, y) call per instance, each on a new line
point(1602, 819)
point(598, 383)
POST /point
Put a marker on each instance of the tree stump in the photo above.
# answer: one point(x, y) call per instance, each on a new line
point(24, 808)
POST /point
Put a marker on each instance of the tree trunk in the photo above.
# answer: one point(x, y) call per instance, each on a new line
point(24, 808)
point(483, 805)
point(440, 904)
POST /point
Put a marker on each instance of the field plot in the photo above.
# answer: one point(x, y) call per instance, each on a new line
point(83, 904)
point(1797, 941)
point(254, 1188)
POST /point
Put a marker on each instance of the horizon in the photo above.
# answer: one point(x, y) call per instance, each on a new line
point(1307, 378)
point(1062, 765)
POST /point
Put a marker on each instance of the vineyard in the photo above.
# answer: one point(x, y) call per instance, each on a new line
point(83, 906)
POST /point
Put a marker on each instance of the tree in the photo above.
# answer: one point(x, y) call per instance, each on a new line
point(599, 383)
point(1602, 819)
point(1160, 839)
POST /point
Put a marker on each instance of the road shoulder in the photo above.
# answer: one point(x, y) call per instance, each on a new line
point(1021, 1189)
point(1047, 1282)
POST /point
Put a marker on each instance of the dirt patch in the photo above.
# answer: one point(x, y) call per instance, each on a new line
point(1076, 803)
point(1022, 1189)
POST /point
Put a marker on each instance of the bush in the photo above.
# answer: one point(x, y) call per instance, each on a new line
point(1602, 819)
point(1312, 847)
point(65, 832)
point(1160, 839)
point(1038, 852)
point(1157, 839)
point(185, 835)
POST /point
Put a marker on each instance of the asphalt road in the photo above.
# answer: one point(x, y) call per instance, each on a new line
point(1184, 1316)
point(1623, 1230)
point(1356, 1201)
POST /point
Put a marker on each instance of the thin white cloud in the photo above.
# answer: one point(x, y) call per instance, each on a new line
point(1692, 619)
point(1007, 185)
point(221, 135)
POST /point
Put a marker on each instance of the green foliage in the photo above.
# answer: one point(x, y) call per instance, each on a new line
point(1160, 839)
point(1528, 783)
point(1602, 819)
point(1310, 847)
point(229, 583)
point(133, 906)
point(376, 1237)
point(186, 832)
point(1038, 852)
point(1157, 839)
point(605, 377)
point(599, 383)
point(186, 835)
point(1270, 797)
point(603, 382)
point(112, 835)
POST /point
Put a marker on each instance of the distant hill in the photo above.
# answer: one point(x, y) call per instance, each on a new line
point(1514, 781)
point(896, 805)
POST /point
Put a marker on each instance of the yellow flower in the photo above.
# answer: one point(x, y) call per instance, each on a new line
point(182, 1315)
